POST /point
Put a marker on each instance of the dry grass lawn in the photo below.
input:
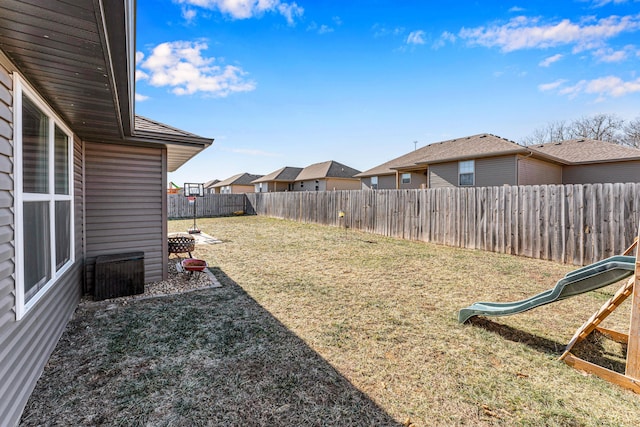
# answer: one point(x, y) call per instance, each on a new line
point(326, 326)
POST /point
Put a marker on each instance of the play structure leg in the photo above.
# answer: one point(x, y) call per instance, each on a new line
point(631, 378)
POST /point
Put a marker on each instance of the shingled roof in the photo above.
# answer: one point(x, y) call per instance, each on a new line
point(285, 174)
point(239, 179)
point(470, 147)
point(580, 151)
point(328, 169)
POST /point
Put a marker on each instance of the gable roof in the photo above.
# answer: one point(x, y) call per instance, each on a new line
point(80, 56)
point(581, 151)
point(285, 174)
point(328, 169)
point(239, 179)
point(470, 147)
point(210, 184)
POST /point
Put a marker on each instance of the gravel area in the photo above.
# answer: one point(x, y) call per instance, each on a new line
point(177, 282)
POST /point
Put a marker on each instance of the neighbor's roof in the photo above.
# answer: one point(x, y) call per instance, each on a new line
point(470, 147)
point(285, 174)
point(88, 79)
point(579, 151)
point(328, 169)
point(211, 183)
point(239, 179)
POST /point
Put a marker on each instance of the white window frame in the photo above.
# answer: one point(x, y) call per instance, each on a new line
point(21, 88)
point(374, 182)
point(408, 179)
point(473, 173)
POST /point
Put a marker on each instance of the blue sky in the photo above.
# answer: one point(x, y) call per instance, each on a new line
point(280, 83)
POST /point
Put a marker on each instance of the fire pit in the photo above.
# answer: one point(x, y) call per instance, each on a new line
point(180, 243)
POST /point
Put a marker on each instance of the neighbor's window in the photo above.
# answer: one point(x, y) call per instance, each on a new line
point(43, 188)
point(374, 182)
point(466, 172)
point(406, 178)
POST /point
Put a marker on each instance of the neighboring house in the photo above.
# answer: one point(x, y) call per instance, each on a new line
point(237, 184)
point(587, 161)
point(327, 176)
point(209, 186)
point(80, 174)
point(280, 180)
point(485, 160)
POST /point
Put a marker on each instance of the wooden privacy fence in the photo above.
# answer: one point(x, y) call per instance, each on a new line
point(574, 224)
point(210, 205)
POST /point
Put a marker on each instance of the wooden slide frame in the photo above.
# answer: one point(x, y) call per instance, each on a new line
point(631, 378)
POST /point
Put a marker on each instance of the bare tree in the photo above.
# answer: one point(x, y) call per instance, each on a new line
point(553, 131)
point(603, 127)
point(632, 133)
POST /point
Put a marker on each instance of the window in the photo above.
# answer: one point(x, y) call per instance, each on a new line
point(406, 178)
point(44, 196)
point(374, 182)
point(466, 172)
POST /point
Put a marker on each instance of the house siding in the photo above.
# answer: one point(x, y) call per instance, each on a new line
point(538, 172)
point(340, 184)
point(489, 172)
point(124, 210)
point(25, 345)
point(443, 175)
point(495, 171)
point(602, 173)
point(418, 180)
point(385, 182)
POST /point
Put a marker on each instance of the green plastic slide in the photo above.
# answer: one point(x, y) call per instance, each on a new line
point(585, 279)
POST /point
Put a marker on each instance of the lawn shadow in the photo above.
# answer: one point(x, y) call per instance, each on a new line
point(209, 357)
point(592, 349)
point(536, 342)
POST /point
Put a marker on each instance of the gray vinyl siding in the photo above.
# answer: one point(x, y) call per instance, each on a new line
point(443, 175)
point(124, 205)
point(25, 345)
point(489, 172)
point(495, 171)
point(602, 173)
point(385, 182)
point(418, 180)
point(538, 172)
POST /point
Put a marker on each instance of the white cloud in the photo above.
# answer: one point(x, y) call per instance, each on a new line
point(416, 37)
point(528, 33)
point(325, 29)
point(610, 55)
point(181, 66)
point(445, 37)
point(601, 3)
point(550, 60)
point(551, 86)
point(244, 9)
point(140, 97)
point(609, 86)
point(516, 9)
point(320, 29)
point(189, 14)
point(141, 75)
point(382, 31)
